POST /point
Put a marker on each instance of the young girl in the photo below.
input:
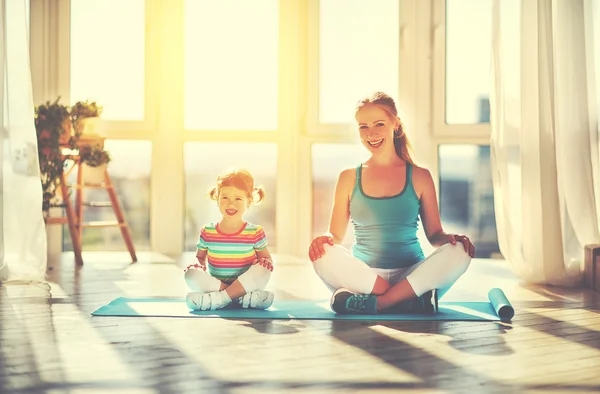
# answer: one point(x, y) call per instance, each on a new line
point(234, 251)
point(385, 196)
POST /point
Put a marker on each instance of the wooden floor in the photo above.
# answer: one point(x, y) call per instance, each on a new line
point(51, 344)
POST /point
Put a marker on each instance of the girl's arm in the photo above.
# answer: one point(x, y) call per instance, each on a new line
point(201, 256)
point(263, 257)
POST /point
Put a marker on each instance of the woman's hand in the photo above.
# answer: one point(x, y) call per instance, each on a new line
point(317, 248)
point(469, 247)
point(265, 262)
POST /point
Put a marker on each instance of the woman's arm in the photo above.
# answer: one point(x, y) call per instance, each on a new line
point(340, 213)
point(430, 214)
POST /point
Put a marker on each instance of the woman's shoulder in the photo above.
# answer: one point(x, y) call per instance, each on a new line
point(348, 173)
point(422, 180)
point(421, 173)
point(347, 179)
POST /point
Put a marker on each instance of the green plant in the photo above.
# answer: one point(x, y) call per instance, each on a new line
point(82, 110)
point(94, 155)
point(51, 125)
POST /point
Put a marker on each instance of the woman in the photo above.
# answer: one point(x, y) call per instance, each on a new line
point(385, 196)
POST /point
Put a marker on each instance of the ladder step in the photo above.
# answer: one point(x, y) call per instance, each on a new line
point(113, 223)
point(98, 204)
point(90, 186)
point(57, 220)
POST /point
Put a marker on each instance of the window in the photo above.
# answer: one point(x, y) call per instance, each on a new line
point(467, 196)
point(129, 170)
point(231, 65)
point(358, 54)
point(107, 56)
point(468, 56)
point(205, 161)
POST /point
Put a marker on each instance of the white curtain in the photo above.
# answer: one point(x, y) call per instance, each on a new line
point(545, 140)
point(22, 234)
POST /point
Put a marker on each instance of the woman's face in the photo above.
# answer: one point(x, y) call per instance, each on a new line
point(376, 128)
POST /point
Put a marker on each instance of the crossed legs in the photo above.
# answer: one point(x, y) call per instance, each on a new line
point(440, 270)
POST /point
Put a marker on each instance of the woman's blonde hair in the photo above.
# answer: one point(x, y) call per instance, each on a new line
point(386, 103)
point(240, 179)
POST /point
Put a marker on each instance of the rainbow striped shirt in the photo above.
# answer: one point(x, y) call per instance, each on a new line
point(230, 255)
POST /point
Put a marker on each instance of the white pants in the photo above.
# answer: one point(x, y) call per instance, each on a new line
point(440, 270)
point(255, 278)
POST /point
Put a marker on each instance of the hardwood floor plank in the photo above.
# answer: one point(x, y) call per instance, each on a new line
point(50, 343)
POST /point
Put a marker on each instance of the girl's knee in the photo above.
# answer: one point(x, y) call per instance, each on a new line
point(199, 280)
point(255, 278)
point(193, 274)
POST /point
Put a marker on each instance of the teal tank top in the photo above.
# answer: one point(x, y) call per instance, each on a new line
point(385, 228)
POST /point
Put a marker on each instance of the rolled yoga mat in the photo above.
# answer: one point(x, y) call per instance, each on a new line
point(501, 305)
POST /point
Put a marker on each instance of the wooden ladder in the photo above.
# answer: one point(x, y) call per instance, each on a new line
point(74, 214)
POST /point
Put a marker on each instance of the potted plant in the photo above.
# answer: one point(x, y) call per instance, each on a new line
point(53, 129)
point(94, 159)
point(85, 116)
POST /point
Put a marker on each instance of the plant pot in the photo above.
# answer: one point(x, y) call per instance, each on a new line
point(89, 127)
point(93, 175)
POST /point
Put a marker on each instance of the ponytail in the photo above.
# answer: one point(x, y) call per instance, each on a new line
point(402, 144)
point(258, 194)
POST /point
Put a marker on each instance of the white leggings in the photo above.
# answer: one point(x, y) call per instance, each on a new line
point(255, 278)
point(440, 270)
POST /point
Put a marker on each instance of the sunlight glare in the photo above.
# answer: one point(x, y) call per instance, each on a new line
point(107, 56)
point(231, 64)
point(359, 54)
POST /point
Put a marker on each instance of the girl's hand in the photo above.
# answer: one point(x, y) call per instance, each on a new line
point(469, 247)
point(198, 266)
point(317, 248)
point(267, 263)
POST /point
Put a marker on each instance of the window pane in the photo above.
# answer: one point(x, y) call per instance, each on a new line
point(205, 161)
point(107, 56)
point(359, 50)
point(231, 64)
point(468, 52)
point(467, 196)
point(129, 170)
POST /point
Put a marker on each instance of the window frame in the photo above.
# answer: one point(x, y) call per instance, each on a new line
point(478, 131)
point(420, 102)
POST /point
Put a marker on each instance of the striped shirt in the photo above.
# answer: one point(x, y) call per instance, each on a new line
point(230, 255)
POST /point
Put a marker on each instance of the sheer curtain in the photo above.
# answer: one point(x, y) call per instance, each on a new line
point(544, 142)
point(22, 234)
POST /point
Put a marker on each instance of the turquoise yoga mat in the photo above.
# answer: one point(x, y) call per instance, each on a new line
point(498, 309)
